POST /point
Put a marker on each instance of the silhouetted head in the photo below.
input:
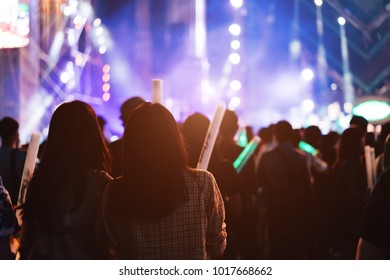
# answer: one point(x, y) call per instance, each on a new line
point(229, 124)
point(9, 132)
point(75, 142)
point(266, 134)
point(194, 131)
point(283, 131)
point(351, 143)
point(359, 122)
point(313, 135)
point(128, 106)
point(296, 138)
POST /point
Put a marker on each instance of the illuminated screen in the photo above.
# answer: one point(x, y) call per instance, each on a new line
point(14, 23)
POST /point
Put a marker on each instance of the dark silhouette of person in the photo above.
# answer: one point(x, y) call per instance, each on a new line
point(11, 157)
point(8, 224)
point(374, 233)
point(194, 130)
point(230, 150)
point(61, 215)
point(284, 179)
point(359, 122)
point(116, 147)
point(349, 190)
point(160, 208)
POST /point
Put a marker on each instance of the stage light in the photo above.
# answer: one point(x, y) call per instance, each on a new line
point(106, 96)
point(341, 21)
point(333, 86)
point(348, 106)
point(235, 29)
point(234, 58)
point(102, 49)
point(106, 68)
point(236, 3)
point(372, 110)
point(295, 48)
point(97, 22)
point(106, 87)
point(318, 2)
point(235, 44)
point(234, 103)
point(99, 31)
point(106, 77)
point(307, 74)
point(77, 20)
point(101, 40)
point(65, 77)
point(235, 85)
point(308, 105)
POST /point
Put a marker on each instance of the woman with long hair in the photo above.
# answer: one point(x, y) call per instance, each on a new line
point(61, 217)
point(160, 208)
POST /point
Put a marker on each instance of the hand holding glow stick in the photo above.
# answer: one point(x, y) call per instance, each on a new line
point(211, 136)
point(158, 89)
point(29, 166)
point(244, 156)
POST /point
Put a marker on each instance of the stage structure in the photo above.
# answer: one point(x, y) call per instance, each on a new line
point(53, 64)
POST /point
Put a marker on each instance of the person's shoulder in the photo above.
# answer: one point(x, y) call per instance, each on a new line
point(199, 176)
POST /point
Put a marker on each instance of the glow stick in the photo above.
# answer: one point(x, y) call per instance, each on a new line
point(244, 156)
point(373, 165)
point(367, 155)
point(157, 90)
point(307, 148)
point(29, 166)
point(211, 136)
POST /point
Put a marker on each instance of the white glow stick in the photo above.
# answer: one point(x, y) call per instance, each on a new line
point(373, 165)
point(29, 165)
point(367, 155)
point(211, 136)
point(158, 89)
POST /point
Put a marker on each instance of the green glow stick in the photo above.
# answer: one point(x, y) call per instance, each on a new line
point(243, 158)
point(308, 148)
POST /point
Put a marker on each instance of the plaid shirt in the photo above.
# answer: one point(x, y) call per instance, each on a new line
point(195, 230)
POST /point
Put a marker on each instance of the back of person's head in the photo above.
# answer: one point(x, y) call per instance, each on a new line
point(283, 131)
point(194, 131)
point(296, 138)
point(266, 134)
point(229, 124)
point(128, 106)
point(313, 135)
point(9, 132)
point(359, 122)
point(74, 146)
point(351, 143)
point(75, 142)
point(154, 160)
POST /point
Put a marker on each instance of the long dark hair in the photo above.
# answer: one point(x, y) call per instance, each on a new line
point(154, 160)
point(74, 146)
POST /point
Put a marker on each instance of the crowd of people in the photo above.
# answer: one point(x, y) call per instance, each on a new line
point(141, 197)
